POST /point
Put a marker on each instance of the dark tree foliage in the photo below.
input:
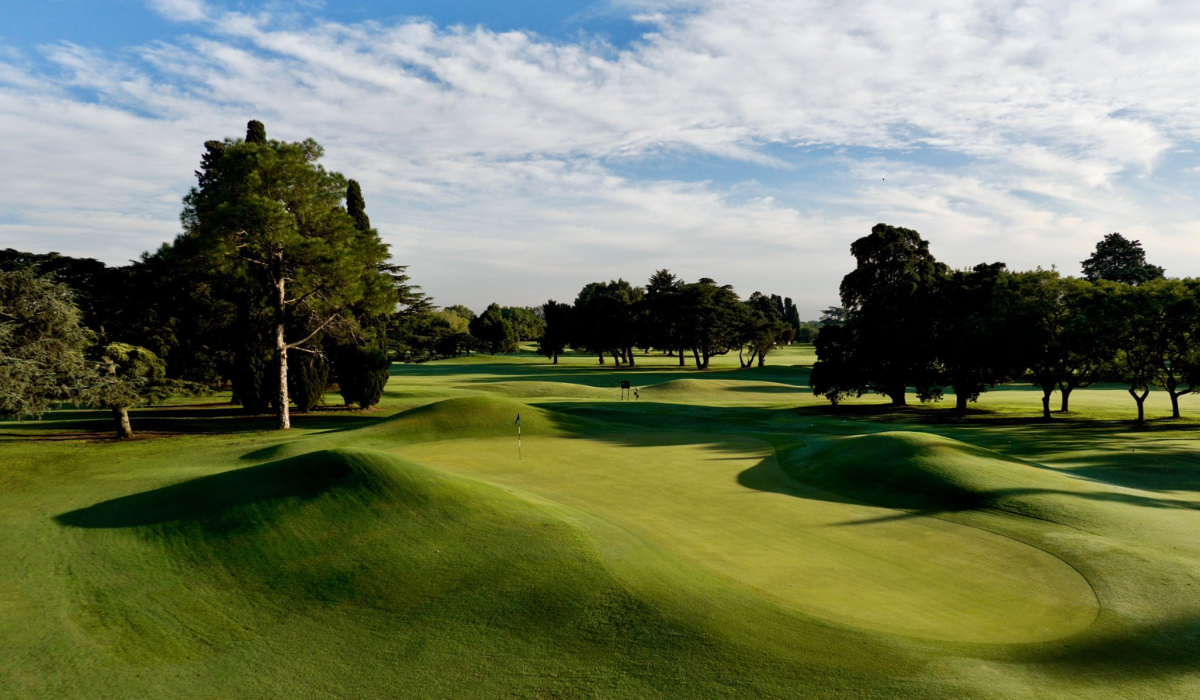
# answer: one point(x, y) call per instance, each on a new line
point(607, 320)
point(834, 315)
point(792, 315)
point(1178, 337)
point(559, 330)
point(834, 375)
point(1118, 259)
point(1136, 318)
point(975, 330)
point(308, 376)
point(123, 376)
point(356, 206)
point(711, 320)
point(494, 332)
point(807, 332)
point(661, 310)
point(890, 314)
point(763, 328)
point(256, 132)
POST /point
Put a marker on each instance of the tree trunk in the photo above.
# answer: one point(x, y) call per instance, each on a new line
point(1141, 400)
point(1046, 392)
point(629, 354)
point(281, 402)
point(601, 358)
point(898, 395)
point(1066, 397)
point(555, 358)
point(1175, 403)
point(681, 357)
point(762, 359)
point(960, 401)
point(121, 416)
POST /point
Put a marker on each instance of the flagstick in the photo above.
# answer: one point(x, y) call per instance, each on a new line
point(518, 442)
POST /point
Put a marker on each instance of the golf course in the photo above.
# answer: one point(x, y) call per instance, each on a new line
point(725, 535)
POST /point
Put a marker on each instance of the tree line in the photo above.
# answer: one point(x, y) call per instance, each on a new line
point(912, 322)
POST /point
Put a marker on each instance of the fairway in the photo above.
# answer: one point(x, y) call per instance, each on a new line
point(727, 536)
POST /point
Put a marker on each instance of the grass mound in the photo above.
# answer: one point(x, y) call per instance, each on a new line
point(539, 390)
point(725, 390)
point(921, 471)
point(473, 417)
point(346, 529)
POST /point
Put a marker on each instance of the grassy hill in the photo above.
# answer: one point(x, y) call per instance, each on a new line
point(726, 536)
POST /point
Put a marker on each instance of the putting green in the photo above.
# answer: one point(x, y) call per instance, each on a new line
point(870, 567)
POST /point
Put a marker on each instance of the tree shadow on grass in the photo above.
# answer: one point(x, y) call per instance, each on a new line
point(1137, 651)
point(201, 419)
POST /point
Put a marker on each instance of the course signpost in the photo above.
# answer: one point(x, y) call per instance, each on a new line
point(624, 389)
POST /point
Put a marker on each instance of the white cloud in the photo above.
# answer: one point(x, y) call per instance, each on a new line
point(499, 164)
point(181, 10)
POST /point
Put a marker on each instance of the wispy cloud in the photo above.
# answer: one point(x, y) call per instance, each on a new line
point(504, 165)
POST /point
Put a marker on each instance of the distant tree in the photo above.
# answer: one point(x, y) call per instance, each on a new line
point(268, 219)
point(494, 332)
point(526, 323)
point(792, 315)
point(711, 320)
point(1118, 259)
point(462, 312)
point(41, 343)
point(607, 320)
point(890, 300)
point(974, 331)
point(1178, 331)
point(356, 206)
point(807, 332)
point(558, 332)
point(833, 315)
point(763, 328)
point(661, 317)
point(1063, 333)
point(1137, 314)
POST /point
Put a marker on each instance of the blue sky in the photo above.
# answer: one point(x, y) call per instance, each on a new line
point(513, 152)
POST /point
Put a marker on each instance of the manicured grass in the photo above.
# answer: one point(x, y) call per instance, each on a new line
point(728, 535)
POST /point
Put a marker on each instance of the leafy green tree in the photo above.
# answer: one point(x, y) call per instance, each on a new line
point(792, 315)
point(527, 323)
point(1137, 317)
point(42, 343)
point(807, 332)
point(267, 219)
point(764, 328)
point(661, 318)
point(607, 319)
point(558, 332)
point(974, 331)
point(1178, 330)
point(493, 331)
point(890, 300)
point(1118, 259)
point(711, 320)
point(125, 376)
